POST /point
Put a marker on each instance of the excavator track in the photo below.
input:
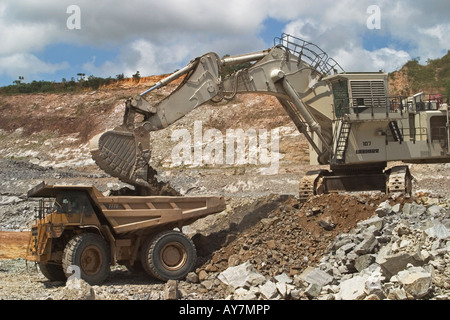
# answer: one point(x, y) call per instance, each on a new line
point(399, 180)
point(310, 184)
point(396, 180)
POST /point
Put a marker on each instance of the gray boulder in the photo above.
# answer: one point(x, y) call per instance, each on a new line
point(241, 276)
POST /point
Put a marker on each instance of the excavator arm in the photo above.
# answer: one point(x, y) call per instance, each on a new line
point(291, 72)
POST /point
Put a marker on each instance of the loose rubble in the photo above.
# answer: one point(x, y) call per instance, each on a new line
point(395, 249)
point(399, 253)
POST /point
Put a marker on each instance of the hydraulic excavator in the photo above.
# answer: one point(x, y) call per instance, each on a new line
point(351, 122)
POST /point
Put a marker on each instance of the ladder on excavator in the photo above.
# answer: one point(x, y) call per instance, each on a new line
point(342, 142)
point(395, 130)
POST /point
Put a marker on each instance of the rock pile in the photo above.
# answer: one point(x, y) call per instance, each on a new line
point(401, 252)
point(76, 289)
point(292, 236)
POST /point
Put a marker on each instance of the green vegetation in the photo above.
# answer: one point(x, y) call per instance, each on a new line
point(434, 76)
point(91, 83)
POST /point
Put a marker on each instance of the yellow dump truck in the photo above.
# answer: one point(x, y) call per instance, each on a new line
point(79, 229)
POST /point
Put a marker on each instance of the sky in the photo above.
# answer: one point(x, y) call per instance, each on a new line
point(55, 39)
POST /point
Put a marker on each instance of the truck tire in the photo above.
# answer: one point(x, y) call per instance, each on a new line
point(52, 271)
point(169, 255)
point(91, 254)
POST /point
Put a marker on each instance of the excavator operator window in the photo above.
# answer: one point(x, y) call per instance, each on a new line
point(341, 100)
point(74, 202)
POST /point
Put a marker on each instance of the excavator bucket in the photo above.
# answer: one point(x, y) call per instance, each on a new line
point(125, 155)
point(115, 153)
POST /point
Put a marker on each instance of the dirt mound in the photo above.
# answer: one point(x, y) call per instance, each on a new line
point(13, 244)
point(149, 81)
point(293, 235)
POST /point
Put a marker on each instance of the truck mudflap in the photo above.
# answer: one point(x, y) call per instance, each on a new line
point(133, 213)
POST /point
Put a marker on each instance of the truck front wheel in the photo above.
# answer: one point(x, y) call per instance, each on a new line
point(90, 253)
point(52, 271)
point(169, 255)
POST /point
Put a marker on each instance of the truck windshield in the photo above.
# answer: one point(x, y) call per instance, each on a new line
point(73, 202)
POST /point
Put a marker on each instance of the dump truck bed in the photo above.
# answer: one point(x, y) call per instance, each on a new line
point(135, 213)
point(127, 214)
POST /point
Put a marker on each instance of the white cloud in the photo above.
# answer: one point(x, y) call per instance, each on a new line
point(359, 59)
point(23, 38)
point(412, 29)
point(19, 36)
point(150, 58)
point(387, 59)
point(143, 56)
point(438, 40)
point(27, 65)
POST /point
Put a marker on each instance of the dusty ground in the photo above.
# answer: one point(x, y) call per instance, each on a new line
point(13, 245)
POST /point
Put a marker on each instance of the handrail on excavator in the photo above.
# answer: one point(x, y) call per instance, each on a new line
point(310, 53)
